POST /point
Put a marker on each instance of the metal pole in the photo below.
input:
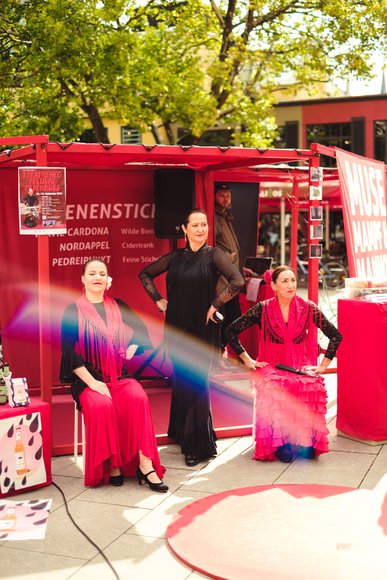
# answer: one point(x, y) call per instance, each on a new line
point(44, 300)
point(294, 226)
point(282, 231)
point(327, 232)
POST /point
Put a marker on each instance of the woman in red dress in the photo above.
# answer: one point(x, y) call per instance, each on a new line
point(290, 410)
point(99, 335)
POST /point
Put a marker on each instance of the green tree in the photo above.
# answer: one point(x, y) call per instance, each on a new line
point(312, 40)
point(66, 61)
point(61, 63)
point(166, 62)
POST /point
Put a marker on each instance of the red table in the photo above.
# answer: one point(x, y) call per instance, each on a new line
point(361, 370)
point(25, 447)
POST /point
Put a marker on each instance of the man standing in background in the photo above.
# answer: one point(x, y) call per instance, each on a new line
point(226, 239)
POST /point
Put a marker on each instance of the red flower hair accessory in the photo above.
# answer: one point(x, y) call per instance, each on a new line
point(267, 276)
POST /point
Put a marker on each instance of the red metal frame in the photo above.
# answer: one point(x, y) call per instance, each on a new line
point(205, 158)
point(232, 163)
point(37, 147)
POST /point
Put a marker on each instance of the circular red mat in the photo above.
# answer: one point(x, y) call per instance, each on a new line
point(292, 531)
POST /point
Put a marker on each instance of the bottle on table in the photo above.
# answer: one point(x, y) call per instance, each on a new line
point(20, 456)
point(6, 371)
point(3, 387)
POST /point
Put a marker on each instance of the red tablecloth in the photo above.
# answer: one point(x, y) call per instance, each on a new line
point(34, 425)
point(361, 370)
point(249, 338)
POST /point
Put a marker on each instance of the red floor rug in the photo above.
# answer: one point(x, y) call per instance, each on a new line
point(284, 532)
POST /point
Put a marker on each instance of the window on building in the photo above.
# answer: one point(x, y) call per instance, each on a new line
point(88, 136)
point(331, 135)
point(380, 140)
point(280, 139)
point(217, 138)
point(185, 137)
point(287, 136)
point(130, 135)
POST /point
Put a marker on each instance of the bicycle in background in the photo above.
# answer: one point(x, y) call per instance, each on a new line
point(332, 273)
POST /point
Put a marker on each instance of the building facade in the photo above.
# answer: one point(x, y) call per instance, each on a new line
point(356, 124)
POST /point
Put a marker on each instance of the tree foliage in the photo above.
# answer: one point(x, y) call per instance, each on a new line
point(167, 62)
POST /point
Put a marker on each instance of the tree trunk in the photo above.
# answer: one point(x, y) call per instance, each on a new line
point(168, 130)
point(96, 122)
point(156, 134)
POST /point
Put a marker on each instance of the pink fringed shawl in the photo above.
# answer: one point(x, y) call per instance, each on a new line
point(294, 343)
point(102, 345)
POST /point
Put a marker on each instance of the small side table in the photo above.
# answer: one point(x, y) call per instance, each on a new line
point(25, 447)
point(361, 371)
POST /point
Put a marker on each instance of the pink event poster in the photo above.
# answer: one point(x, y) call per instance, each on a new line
point(22, 464)
point(42, 200)
point(364, 196)
point(24, 520)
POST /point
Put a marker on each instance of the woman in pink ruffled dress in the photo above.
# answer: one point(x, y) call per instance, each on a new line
point(291, 407)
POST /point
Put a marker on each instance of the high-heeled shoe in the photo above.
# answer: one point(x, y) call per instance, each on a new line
point(142, 479)
point(116, 480)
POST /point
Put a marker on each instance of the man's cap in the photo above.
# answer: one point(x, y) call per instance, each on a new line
point(220, 186)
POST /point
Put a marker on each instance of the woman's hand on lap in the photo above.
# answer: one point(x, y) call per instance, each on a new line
point(320, 370)
point(250, 363)
point(260, 364)
point(255, 364)
point(100, 387)
point(317, 370)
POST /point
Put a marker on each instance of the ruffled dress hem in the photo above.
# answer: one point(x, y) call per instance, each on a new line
point(291, 409)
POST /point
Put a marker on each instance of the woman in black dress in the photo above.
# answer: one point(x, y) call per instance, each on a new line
point(191, 332)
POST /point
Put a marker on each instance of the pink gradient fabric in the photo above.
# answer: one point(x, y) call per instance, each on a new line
point(290, 408)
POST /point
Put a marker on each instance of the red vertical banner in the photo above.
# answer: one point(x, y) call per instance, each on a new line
point(42, 200)
point(364, 199)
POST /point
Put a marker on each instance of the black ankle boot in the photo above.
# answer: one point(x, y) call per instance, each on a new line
point(116, 480)
point(191, 460)
point(307, 452)
point(284, 453)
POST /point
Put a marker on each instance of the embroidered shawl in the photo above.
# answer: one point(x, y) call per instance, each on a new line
point(293, 343)
point(102, 344)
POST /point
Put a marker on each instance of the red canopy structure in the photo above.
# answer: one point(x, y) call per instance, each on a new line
point(105, 169)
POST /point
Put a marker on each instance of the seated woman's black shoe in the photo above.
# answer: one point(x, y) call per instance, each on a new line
point(307, 452)
point(142, 479)
point(116, 480)
point(284, 453)
point(191, 460)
